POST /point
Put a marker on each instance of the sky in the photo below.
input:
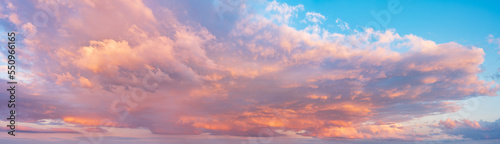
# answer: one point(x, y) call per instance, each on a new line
point(252, 72)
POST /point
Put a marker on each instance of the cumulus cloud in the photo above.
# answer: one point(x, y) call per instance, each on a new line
point(261, 75)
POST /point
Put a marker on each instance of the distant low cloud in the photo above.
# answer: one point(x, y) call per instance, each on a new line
point(476, 130)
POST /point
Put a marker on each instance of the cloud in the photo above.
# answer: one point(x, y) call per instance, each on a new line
point(94, 58)
point(14, 19)
point(11, 6)
point(282, 12)
point(342, 25)
point(315, 17)
point(476, 130)
point(492, 39)
point(450, 124)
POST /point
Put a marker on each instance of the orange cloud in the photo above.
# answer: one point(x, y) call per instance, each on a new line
point(254, 74)
point(90, 121)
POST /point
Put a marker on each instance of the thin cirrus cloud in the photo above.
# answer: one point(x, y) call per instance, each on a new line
point(261, 74)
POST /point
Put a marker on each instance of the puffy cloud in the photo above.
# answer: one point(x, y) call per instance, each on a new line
point(282, 12)
point(14, 19)
point(450, 124)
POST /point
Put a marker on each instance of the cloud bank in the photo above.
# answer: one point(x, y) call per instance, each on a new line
point(248, 73)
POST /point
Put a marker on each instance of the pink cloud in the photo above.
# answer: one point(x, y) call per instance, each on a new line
point(452, 124)
point(259, 75)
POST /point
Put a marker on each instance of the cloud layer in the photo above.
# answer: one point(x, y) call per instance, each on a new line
point(135, 64)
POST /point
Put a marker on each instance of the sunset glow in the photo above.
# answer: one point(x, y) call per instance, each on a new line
point(251, 72)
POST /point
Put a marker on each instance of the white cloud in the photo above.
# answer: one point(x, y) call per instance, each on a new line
point(282, 12)
point(492, 39)
point(315, 17)
point(342, 25)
